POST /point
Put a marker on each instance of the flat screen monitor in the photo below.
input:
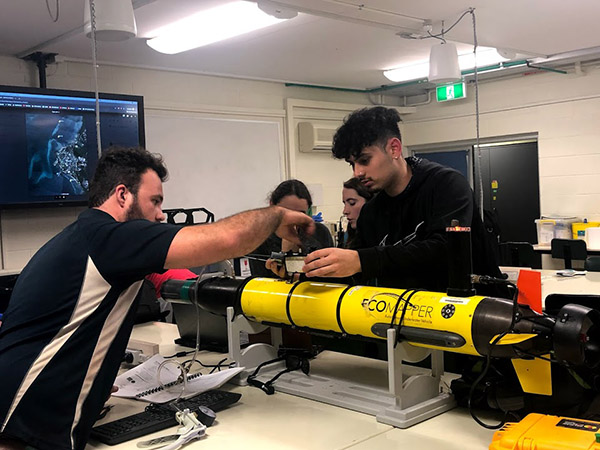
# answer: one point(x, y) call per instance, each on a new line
point(48, 142)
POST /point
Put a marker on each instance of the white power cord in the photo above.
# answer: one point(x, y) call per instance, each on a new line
point(95, 71)
point(475, 73)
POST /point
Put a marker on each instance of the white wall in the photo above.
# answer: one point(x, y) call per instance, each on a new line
point(563, 109)
point(24, 231)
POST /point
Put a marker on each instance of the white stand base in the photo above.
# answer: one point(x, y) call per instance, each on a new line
point(413, 394)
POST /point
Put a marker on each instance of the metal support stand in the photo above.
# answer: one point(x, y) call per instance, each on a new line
point(417, 397)
point(41, 60)
point(414, 394)
point(254, 354)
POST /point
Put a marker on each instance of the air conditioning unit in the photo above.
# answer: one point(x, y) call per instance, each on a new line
point(314, 137)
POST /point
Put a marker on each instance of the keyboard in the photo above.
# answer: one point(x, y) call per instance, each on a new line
point(158, 417)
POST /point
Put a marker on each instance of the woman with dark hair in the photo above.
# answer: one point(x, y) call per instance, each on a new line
point(291, 194)
point(354, 196)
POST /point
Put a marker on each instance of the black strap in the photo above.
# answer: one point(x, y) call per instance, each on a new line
point(339, 308)
point(287, 302)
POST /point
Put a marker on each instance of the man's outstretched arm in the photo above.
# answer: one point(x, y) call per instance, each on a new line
point(234, 236)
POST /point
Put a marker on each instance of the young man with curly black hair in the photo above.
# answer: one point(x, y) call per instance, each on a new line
point(401, 238)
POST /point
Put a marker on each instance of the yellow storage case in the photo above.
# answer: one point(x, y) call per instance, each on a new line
point(545, 432)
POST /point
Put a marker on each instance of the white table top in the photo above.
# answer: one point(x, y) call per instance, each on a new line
point(578, 284)
point(281, 421)
point(552, 283)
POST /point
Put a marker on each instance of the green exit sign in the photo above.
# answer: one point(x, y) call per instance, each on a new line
point(451, 92)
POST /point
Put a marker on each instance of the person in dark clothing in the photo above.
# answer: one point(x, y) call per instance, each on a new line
point(401, 238)
point(291, 194)
point(72, 310)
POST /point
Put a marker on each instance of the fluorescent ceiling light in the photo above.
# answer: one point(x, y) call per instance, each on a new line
point(486, 56)
point(212, 25)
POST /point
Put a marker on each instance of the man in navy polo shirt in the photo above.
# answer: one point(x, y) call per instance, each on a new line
point(72, 310)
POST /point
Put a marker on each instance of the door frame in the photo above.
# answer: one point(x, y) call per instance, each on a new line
point(470, 145)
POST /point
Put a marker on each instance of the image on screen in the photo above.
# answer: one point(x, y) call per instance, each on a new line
point(49, 142)
point(56, 154)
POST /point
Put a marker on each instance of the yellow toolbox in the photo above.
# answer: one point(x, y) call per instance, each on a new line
point(545, 432)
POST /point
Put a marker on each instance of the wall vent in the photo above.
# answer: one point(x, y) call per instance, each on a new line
point(314, 137)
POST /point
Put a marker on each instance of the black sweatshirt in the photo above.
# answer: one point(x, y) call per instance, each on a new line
point(435, 195)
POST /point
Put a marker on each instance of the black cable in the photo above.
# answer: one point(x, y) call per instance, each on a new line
point(218, 366)
point(179, 354)
point(406, 304)
point(400, 298)
point(491, 280)
point(263, 364)
point(292, 362)
point(54, 19)
point(286, 370)
point(257, 256)
point(533, 355)
point(488, 279)
point(478, 380)
point(267, 388)
point(538, 320)
point(392, 322)
point(437, 36)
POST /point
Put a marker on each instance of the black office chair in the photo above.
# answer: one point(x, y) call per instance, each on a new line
point(519, 254)
point(592, 264)
point(7, 282)
point(568, 249)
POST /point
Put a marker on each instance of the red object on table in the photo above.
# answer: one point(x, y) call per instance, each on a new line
point(529, 284)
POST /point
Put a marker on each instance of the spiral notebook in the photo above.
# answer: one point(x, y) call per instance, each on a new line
point(154, 390)
point(141, 382)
